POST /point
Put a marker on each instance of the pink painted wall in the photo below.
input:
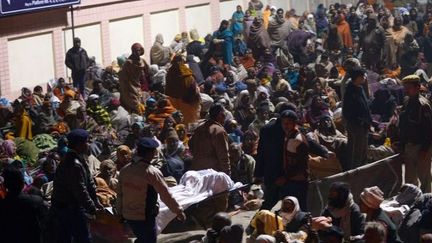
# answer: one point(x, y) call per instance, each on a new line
point(88, 12)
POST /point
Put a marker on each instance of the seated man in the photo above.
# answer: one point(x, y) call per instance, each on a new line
point(69, 105)
point(345, 213)
point(370, 201)
point(242, 165)
point(328, 136)
point(220, 221)
point(104, 94)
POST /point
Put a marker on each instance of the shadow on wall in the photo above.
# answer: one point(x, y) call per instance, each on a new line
point(25, 23)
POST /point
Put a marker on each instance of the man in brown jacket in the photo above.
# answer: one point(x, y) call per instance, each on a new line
point(209, 143)
point(209, 147)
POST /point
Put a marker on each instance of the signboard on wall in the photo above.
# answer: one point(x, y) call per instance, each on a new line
point(10, 7)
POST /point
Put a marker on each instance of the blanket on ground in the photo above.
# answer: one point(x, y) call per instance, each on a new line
point(194, 187)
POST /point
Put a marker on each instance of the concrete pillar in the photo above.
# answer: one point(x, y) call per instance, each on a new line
point(182, 19)
point(4, 68)
point(59, 53)
point(147, 35)
point(215, 14)
point(106, 43)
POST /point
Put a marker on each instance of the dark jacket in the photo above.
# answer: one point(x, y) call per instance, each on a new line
point(355, 22)
point(196, 70)
point(384, 106)
point(74, 185)
point(392, 235)
point(21, 218)
point(355, 106)
point(296, 224)
point(357, 220)
point(195, 48)
point(269, 163)
point(209, 148)
point(415, 122)
point(427, 49)
point(77, 60)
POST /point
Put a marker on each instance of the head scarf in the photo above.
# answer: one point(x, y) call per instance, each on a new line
point(194, 35)
point(287, 217)
point(262, 89)
point(8, 148)
point(179, 79)
point(258, 35)
point(124, 152)
point(136, 46)
point(240, 97)
point(159, 39)
point(372, 197)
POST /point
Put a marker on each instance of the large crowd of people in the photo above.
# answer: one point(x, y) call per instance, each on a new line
point(272, 98)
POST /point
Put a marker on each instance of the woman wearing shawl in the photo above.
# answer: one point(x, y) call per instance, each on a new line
point(124, 156)
point(247, 23)
point(237, 21)
point(159, 54)
point(164, 109)
point(345, 213)
point(293, 219)
point(134, 77)
point(395, 42)
point(259, 39)
point(244, 112)
point(263, 98)
point(8, 150)
point(23, 122)
point(223, 40)
point(317, 109)
point(278, 29)
point(182, 90)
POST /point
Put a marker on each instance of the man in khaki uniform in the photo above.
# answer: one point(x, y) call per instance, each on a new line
point(138, 189)
point(416, 134)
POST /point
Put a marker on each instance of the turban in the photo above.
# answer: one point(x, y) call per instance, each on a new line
point(69, 93)
point(77, 136)
point(372, 197)
point(411, 79)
